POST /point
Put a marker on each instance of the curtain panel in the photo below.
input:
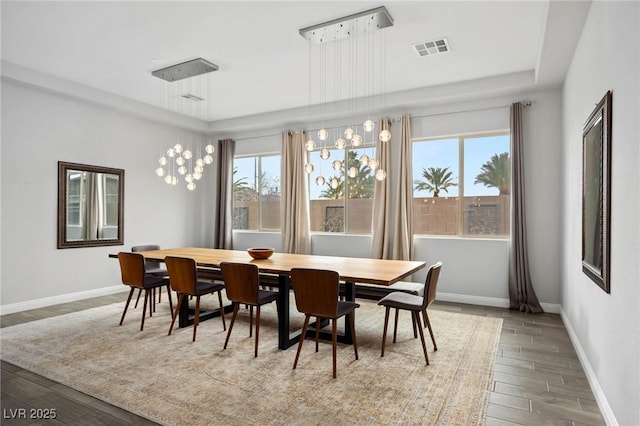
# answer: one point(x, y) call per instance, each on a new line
point(294, 201)
point(522, 297)
point(403, 235)
point(381, 244)
point(223, 235)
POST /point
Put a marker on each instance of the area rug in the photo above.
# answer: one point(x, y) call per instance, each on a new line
point(172, 381)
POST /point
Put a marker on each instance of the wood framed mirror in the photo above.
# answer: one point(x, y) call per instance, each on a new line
point(90, 206)
point(596, 190)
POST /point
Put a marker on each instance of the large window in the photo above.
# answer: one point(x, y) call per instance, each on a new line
point(341, 190)
point(462, 185)
point(256, 192)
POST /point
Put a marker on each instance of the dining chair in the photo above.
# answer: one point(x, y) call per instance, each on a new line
point(132, 269)
point(183, 277)
point(414, 304)
point(242, 284)
point(316, 294)
point(152, 267)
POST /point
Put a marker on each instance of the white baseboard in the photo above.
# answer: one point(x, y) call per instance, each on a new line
point(55, 300)
point(598, 393)
point(497, 302)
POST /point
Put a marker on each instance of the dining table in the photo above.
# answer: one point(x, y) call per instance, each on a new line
point(275, 271)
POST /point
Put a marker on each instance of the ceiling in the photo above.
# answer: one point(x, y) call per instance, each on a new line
point(264, 62)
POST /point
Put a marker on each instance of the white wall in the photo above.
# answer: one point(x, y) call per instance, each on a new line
point(38, 130)
point(606, 327)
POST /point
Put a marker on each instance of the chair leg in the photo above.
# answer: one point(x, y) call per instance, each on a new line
point(416, 320)
point(334, 342)
point(317, 332)
point(126, 306)
point(175, 313)
point(147, 296)
point(236, 306)
point(304, 332)
point(352, 320)
point(196, 319)
point(224, 325)
point(384, 331)
point(250, 320)
point(255, 351)
point(138, 298)
point(170, 300)
point(153, 299)
point(395, 326)
point(426, 320)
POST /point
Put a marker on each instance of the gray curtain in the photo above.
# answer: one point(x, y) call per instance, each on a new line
point(381, 244)
point(522, 297)
point(224, 216)
point(403, 235)
point(294, 201)
point(94, 208)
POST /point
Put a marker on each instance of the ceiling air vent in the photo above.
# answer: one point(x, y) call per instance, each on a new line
point(191, 97)
point(433, 47)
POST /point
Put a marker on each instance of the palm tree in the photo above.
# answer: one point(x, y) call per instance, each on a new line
point(360, 186)
point(436, 179)
point(496, 173)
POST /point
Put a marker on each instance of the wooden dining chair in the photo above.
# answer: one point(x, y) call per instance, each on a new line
point(416, 305)
point(183, 277)
point(316, 293)
point(242, 284)
point(153, 268)
point(132, 269)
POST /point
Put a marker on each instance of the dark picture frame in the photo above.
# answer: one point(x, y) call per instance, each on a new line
point(596, 194)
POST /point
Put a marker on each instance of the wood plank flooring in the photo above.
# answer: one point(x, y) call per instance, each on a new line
point(538, 379)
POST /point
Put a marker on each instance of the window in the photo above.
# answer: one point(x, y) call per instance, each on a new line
point(256, 192)
point(334, 206)
point(462, 185)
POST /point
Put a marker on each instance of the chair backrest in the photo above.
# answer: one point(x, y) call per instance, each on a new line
point(132, 268)
point(241, 281)
point(183, 274)
point(150, 264)
point(431, 283)
point(315, 291)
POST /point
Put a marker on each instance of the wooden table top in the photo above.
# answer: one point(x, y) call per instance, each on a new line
point(351, 269)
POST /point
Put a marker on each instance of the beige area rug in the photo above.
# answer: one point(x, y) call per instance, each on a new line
point(170, 380)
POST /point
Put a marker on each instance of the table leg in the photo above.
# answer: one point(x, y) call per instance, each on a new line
point(283, 314)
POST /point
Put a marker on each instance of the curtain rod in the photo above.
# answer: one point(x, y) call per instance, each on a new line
point(525, 103)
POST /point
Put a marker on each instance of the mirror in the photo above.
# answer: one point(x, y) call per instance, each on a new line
point(90, 206)
point(596, 201)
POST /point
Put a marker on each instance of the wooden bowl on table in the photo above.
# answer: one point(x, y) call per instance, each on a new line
point(260, 253)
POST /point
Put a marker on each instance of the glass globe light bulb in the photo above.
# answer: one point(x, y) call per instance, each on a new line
point(180, 161)
point(320, 180)
point(160, 171)
point(368, 125)
point(209, 149)
point(374, 164)
point(353, 172)
point(337, 164)
point(171, 152)
point(348, 133)
point(323, 134)
point(381, 175)
point(208, 159)
point(167, 179)
point(182, 170)
point(197, 175)
point(310, 145)
point(163, 161)
point(356, 140)
point(325, 153)
point(187, 154)
point(191, 186)
point(177, 148)
point(188, 177)
point(198, 169)
point(340, 143)
point(385, 136)
point(308, 167)
point(334, 183)
point(200, 162)
point(364, 159)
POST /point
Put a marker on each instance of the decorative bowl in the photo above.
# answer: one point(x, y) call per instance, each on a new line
point(260, 252)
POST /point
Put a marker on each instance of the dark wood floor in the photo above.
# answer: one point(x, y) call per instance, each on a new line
point(538, 379)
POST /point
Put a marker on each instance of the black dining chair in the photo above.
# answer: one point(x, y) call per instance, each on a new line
point(152, 268)
point(416, 305)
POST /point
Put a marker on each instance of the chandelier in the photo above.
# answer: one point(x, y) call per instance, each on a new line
point(183, 91)
point(349, 63)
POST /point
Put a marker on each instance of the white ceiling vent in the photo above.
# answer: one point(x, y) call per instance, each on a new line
point(191, 97)
point(433, 47)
